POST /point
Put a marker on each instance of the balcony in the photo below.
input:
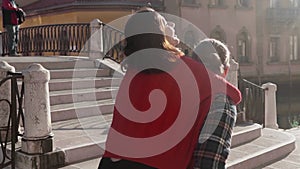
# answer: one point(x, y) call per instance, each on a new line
point(282, 14)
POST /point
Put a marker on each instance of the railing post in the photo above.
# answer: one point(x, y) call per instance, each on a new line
point(232, 76)
point(270, 105)
point(38, 138)
point(37, 142)
point(96, 40)
point(5, 93)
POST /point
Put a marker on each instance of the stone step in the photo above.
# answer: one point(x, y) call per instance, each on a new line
point(271, 146)
point(81, 109)
point(78, 73)
point(81, 83)
point(93, 163)
point(90, 124)
point(291, 161)
point(81, 95)
point(82, 139)
point(51, 62)
point(244, 133)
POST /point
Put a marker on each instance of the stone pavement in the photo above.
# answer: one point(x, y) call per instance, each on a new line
point(49, 62)
point(292, 161)
point(92, 164)
point(40, 59)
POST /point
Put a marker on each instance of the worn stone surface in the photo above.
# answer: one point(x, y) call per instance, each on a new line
point(5, 90)
point(96, 42)
point(291, 161)
point(37, 104)
point(50, 160)
point(270, 105)
point(37, 146)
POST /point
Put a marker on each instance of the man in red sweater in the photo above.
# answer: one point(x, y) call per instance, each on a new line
point(11, 24)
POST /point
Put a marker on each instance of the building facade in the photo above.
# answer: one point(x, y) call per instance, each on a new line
point(263, 36)
point(45, 12)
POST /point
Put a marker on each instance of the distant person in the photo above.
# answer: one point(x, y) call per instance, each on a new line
point(11, 21)
point(214, 141)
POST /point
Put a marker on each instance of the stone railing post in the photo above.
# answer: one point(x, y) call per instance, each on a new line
point(38, 138)
point(37, 150)
point(232, 76)
point(96, 39)
point(270, 105)
point(5, 94)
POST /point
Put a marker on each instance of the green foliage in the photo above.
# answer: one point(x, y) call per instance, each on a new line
point(295, 123)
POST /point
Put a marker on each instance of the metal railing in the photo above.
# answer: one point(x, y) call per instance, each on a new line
point(62, 39)
point(253, 102)
point(113, 43)
point(66, 39)
point(9, 134)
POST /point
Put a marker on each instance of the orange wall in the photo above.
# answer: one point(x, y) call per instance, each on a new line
point(72, 17)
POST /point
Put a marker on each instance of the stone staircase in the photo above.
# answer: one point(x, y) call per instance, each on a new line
point(255, 147)
point(252, 148)
point(81, 103)
point(81, 99)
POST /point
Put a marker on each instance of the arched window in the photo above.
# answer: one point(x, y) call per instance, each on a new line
point(274, 3)
point(219, 34)
point(189, 1)
point(243, 46)
point(295, 3)
point(294, 46)
point(189, 42)
point(274, 49)
point(189, 39)
point(243, 3)
point(216, 2)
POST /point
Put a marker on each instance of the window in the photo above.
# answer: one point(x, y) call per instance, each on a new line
point(189, 1)
point(294, 3)
point(243, 3)
point(189, 39)
point(243, 46)
point(274, 49)
point(242, 51)
point(216, 2)
point(293, 47)
point(274, 3)
point(219, 34)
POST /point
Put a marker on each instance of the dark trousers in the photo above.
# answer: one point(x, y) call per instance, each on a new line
point(106, 163)
point(13, 38)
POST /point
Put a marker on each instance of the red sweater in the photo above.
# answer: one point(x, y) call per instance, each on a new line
point(9, 13)
point(163, 130)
